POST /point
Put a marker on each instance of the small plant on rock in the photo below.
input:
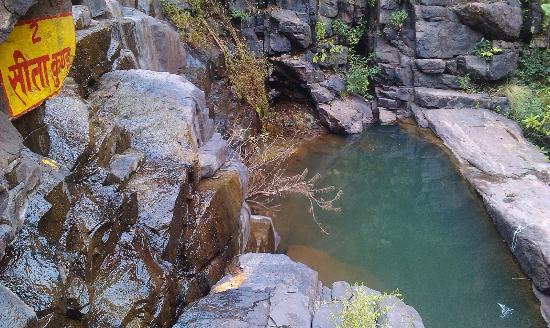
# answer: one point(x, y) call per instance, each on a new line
point(466, 84)
point(239, 15)
point(485, 49)
point(397, 19)
point(363, 310)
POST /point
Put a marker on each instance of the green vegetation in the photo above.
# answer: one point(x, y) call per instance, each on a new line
point(359, 71)
point(529, 96)
point(363, 310)
point(359, 74)
point(397, 19)
point(485, 49)
point(466, 84)
point(207, 24)
point(371, 3)
point(238, 15)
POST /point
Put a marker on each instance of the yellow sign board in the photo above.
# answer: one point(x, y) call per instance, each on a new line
point(34, 61)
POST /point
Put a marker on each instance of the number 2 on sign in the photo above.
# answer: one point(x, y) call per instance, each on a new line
point(34, 38)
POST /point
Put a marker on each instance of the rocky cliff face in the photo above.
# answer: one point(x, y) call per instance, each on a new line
point(129, 205)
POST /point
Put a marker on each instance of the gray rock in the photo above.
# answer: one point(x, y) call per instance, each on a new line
point(497, 19)
point(10, 11)
point(343, 116)
point(14, 313)
point(341, 291)
point(82, 17)
point(267, 290)
point(321, 94)
point(326, 294)
point(335, 83)
point(444, 39)
point(328, 8)
point(289, 24)
point(278, 44)
point(386, 117)
point(439, 98)
point(212, 155)
point(97, 7)
point(326, 316)
point(155, 43)
point(123, 165)
point(399, 314)
point(493, 69)
point(66, 119)
point(437, 81)
point(431, 66)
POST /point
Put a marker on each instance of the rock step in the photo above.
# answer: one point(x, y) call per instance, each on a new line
point(442, 98)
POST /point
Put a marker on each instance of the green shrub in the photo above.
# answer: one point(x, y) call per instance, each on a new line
point(351, 35)
point(531, 109)
point(320, 31)
point(363, 310)
point(485, 49)
point(534, 67)
point(397, 19)
point(238, 15)
point(371, 3)
point(359, 74)
point(466, 84)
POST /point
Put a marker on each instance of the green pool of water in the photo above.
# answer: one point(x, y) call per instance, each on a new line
point(408, 222)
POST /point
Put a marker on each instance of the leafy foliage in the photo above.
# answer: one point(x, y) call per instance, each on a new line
point(320, 30)
point(485, 49)
point(207, 24)
point(466, 84)
point(239, 15)
point(359, 74)
point(397, 19)
point(534, 67)
point(363, 310)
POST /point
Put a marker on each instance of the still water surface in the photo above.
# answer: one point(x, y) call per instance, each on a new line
point(408, 222)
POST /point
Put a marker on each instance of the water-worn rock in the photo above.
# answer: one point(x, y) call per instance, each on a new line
point(212, 155)
point(510, 174)
point(496, 19)
point(399, 314)
point(345, 116)
point(263, 236)
point(386, 117)
point(82, 17)
point(14, 313)
point(66, 122)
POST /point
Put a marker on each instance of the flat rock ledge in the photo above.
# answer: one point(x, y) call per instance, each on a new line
point(510, 174)
point(271, 290)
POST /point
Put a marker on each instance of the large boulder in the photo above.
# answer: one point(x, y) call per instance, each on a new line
point(492, 69)
point(501, 20)
point(134, 218)
point(444, 39)
point(345, 116)
point(287, 23)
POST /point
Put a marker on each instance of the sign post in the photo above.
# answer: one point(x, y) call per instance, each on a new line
point(35, 59)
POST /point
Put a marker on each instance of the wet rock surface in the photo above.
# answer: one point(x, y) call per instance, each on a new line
point(271, 290)
point(509, 173)
point(132, 232)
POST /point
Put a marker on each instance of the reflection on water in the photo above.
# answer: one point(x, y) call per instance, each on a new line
point(408, 222)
